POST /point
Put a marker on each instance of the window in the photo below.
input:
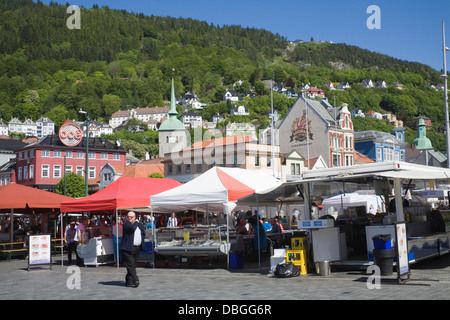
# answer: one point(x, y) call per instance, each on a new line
point(46, 153)
point(57, 171)
point(69, 169)
point(19, 174)
point(25, 173)
point(57, 153)
point(80, 171)
point(116, 156)
point(169, 169)
point(379, 154)
point(69, 154)
point(199, 167)
point(31, 154)
point(92, 155)
point(388, 154)
point(188, 168)
point(45, 171)
point(104, 156)
point(80, 154)
point(179, 168)
point(91, 172)
point(31, 173)
point(107, 176)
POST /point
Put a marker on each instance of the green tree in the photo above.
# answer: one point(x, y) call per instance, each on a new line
point(74, 185)
point(156, 175)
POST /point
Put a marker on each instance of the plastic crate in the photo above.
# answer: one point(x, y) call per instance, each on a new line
point(299, 243)
point(298, 258)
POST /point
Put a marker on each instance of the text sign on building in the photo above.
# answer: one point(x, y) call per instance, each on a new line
point(70, 133)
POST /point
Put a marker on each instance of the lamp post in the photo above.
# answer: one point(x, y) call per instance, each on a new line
point(444, 76)
point(86, 165)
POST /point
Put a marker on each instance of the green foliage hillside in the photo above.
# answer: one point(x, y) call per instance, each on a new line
point(119, 60)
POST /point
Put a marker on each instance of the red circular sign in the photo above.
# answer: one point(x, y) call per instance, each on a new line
point(70, 134)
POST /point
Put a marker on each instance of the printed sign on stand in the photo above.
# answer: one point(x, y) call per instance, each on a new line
point(39, 250)
point(402, 251)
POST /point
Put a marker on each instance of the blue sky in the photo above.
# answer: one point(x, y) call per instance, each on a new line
point(410, 30)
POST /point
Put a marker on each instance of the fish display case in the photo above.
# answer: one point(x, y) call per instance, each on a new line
point(195, 241)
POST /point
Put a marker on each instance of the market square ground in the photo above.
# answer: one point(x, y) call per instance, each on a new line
point(430, 280)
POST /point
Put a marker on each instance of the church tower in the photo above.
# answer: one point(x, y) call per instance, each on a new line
point(422, 142)
point(172, 133)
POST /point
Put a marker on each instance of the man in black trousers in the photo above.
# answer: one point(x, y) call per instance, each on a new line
point(132, 242)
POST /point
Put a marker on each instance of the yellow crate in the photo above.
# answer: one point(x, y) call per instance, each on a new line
point(299, 259)
point(299, 243)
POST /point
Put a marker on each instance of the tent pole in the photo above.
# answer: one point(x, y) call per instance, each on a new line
point(62, 240)
point(154, 236)
point(11, 227)
point(117, 239)
point(257, 231)
point(228, 237)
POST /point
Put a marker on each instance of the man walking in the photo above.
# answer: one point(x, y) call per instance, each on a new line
point(132, 242)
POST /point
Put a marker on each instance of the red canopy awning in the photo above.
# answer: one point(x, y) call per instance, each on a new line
point(125, 192)
point(17, 196)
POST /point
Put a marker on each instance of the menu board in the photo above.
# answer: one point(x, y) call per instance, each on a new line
point(39, 249)
point(402, 249)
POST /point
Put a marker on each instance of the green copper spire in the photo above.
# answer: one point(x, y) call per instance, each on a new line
point(422, 142)
point(173, 108)
point(172, 124)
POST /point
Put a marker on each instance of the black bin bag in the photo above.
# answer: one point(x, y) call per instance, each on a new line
point(286, 270)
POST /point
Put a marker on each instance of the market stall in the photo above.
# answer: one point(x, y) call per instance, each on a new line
point(125, 193)
point(216, 190)
point(390, 180)
point(16, 198)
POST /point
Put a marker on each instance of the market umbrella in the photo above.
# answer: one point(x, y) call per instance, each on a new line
point(19, 198)
point(124, 193)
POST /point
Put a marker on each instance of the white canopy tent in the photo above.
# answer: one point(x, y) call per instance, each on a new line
point(396, 171)
point(216, 190)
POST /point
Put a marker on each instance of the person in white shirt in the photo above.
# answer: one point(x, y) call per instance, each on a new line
point(173, 222)
point(132, 243)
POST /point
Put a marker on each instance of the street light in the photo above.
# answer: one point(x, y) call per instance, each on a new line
point(444, 76)
point(86, 171)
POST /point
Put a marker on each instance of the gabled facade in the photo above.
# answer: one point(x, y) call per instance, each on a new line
point(314, 130)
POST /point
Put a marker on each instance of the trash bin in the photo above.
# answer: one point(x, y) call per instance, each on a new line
point(323, 268)
point(382, 242)
point(383, 253)
point(384, 259)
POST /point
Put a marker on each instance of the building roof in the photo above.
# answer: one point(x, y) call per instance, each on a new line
point(143, 169)
point(242, 138)
point(11, 144)
point(361, 158)
point(94, 143)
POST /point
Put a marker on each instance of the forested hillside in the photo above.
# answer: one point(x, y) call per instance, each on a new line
point(119, 60)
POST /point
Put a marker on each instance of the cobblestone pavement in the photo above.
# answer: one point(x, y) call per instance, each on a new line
point(430, 280)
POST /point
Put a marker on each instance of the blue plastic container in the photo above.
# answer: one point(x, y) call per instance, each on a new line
point(382, 242)
point(236, 261)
